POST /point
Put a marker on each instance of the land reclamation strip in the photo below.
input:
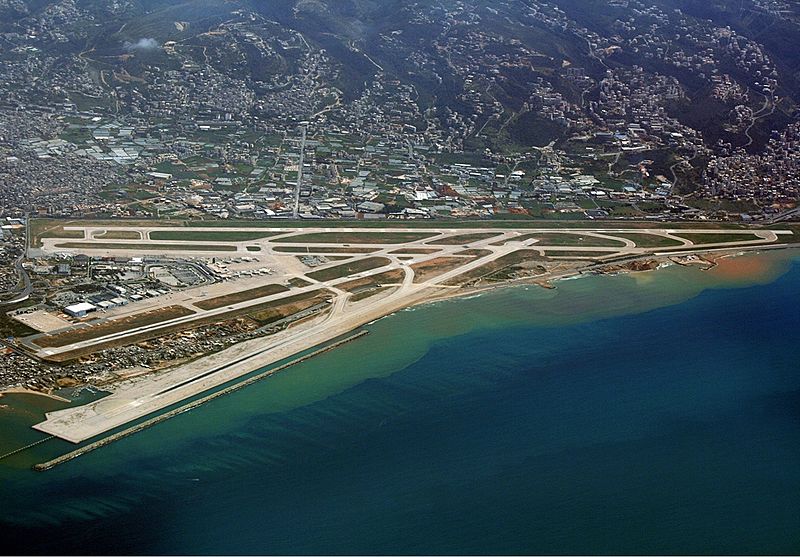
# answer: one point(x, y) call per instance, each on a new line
point(186, 407)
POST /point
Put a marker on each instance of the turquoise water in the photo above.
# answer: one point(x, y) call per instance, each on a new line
point(657, 414)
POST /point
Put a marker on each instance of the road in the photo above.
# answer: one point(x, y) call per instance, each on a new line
point(296, 209)
point(23, 293)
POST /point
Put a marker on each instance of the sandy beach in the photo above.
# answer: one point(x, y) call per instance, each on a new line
point(24, 391)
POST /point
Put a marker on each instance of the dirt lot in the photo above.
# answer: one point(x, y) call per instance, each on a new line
point(437, 266)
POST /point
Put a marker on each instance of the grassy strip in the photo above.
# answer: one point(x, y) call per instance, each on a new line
point(208, 235)
point(194, 324)
point(700, 239)
point(36, 240)
point(387, 277)
point(650, 240)
point(354, 238)
point(347, 269)
point(54, 228)
point(364, 294)
point(321, 249)
point(38, 225)
point(147, 247)
point(577, 240)
point(242, 296)
point(414, 251)
point(118, 235)
point(463, 239)
point(113, 326)
point(297, 282)
point(563, 239)
point(286, 307)
point(466, 223)
point(569, 254)
point(493, 267)
point(474, 252)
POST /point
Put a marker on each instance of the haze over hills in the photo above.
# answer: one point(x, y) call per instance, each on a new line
point(698, 93)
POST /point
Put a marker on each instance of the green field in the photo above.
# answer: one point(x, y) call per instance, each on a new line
point(354, 238)
point(700, 239)
point(242, 296)
point(118, 235)
point(555, 239)
point(650, 240)
point(462, 239)
point(54, 228)
point(146, 247)
point(414, 251)
point(572, 254)
point(347, 269)
point(322, 249)
point(564, 239)
point(208, 235)
point(40, 229)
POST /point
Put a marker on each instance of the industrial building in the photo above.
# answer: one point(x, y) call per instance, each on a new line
point(80, 310)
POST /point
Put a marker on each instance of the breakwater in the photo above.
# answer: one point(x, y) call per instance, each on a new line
point(186, 407)
point(26, 447)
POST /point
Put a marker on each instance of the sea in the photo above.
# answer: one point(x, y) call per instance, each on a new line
point(642, 413)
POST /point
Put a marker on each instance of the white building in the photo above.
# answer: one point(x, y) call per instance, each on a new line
point(80, 310)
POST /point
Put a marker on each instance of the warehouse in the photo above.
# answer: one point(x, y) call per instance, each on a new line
point(80, 310)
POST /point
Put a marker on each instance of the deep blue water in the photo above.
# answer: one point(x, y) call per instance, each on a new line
point(676, 430)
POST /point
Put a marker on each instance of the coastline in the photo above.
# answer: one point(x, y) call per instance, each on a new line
point(145, 395)
point(464, 384)
point(24, 391)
